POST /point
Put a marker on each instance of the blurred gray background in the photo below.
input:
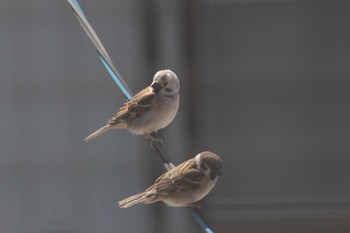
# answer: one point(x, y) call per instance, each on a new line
point(264, 84)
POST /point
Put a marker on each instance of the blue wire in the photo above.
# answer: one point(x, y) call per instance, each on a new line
point(79, 7)
point(108, 68)
point(200, 221)
point(115, 78)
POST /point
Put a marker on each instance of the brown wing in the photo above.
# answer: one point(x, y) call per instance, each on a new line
point(140, 103)
point(184, 177)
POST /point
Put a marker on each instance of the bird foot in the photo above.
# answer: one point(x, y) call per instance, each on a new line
point(154, 139)
point(195, 206)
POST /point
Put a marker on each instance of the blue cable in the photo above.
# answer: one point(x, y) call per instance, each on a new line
point(112, 72)
point(78, 6)
point(200, 221)
point(127, 93)
point(115, 78)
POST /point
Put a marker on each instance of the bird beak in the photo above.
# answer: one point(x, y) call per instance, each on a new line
point(156, 87)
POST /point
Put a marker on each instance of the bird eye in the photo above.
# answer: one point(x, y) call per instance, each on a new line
point(168, 90)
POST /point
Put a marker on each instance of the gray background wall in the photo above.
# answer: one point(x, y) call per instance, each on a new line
point(265, 84)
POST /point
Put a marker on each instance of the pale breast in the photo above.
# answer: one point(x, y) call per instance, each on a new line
point(161, 114)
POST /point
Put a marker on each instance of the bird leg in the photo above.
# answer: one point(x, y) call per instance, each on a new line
point(154, 139)
point(195, 206)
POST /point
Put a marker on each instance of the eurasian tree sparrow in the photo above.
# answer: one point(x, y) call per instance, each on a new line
point(151, 109)
point(183, 185)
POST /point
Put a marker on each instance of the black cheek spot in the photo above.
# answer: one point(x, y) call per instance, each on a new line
point(203, 166)
point(168, 90)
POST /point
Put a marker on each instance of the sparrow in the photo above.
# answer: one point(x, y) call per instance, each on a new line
point(183, 185)
point(150, 110)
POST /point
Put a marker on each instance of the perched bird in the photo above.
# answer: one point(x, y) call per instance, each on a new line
point(151, 109)
point(183, 185)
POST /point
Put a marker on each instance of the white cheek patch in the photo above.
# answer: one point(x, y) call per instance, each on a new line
point(198, 161)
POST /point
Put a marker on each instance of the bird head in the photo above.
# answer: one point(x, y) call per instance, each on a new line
point(165, 82)
point(210, 163)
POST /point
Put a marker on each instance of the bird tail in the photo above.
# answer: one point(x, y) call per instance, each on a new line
point(97, 132)
point(133, 200)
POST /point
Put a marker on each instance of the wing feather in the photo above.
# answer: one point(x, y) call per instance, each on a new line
point(135, 107)
point(184, 177)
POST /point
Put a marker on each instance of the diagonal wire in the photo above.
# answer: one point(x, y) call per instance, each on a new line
point(113, 72)
point(102, 53)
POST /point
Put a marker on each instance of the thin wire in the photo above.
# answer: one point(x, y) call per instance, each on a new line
point(200, 221)
point(158, 146)
point(102, 53)
point(113, 72)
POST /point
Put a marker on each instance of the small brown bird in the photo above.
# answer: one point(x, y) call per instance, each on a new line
point(151, 109)
point(183, 185)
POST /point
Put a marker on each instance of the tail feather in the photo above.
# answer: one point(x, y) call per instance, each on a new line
point(97, 132)
point(133, 200)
